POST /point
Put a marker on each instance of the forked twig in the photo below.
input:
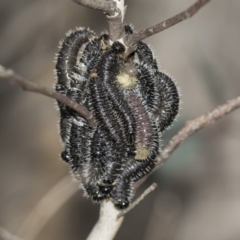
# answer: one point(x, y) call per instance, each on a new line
point(195, 125)
point(47, 206)
point(113, 10)
point(148, 32)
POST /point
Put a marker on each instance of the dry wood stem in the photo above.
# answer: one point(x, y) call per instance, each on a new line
point(8, 74)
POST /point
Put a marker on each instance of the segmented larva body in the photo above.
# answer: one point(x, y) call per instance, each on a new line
point(132, 103)
point(144, 129)
point(133, 170)
point(109, 68)
point(67, 57)
point(66, 62)
point(161, 92)
point(106, 119)
point(168, 101)
point(147, 79)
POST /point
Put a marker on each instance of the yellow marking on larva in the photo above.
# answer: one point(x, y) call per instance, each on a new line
point(142, 153)
point(103, 45)
point(127, 81)
point(94, 74)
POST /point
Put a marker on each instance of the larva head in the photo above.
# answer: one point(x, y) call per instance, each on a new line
point(128, 29)
point(118, 47)
point(106, 186)
point(121, 204)
point(104, 40)
point(130, 69)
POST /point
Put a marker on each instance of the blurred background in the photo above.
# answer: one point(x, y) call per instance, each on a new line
point(198, 194)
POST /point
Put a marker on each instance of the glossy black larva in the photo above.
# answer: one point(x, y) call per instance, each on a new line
point(100, 106)
point(109, 67)
point(132, 103)
point(168, 101)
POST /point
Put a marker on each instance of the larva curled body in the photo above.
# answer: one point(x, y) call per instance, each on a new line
point(143, 125)
point(132, 103)
point(67, 57)
point(109, 68)
point(100, 106)
point(133, 170)
point(168, 103)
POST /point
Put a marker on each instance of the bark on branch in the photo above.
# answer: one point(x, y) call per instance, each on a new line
point(138, 200)
point(8, 74)
point(107, 224)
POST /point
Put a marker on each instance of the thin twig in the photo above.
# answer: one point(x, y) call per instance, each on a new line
point(131, 40)
point(8, 74)
point(138, 200)
point(6, 235)
point(115, 10)
point(190, 128)
point(47, 206)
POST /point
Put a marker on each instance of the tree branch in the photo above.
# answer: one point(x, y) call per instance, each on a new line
point(190, 128)
point(138, 200)
point(195, 125)
point(8, 74)
point(133, 39)
point(46, 207)
point(110, 218)
point(108, 224)
point(115, 12)
point(115, 22)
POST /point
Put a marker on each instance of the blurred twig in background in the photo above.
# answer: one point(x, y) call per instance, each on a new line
point(6, 235)
point(47, 206)
point(165, 214)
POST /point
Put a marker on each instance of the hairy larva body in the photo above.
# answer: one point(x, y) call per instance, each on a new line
point(132, 103)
